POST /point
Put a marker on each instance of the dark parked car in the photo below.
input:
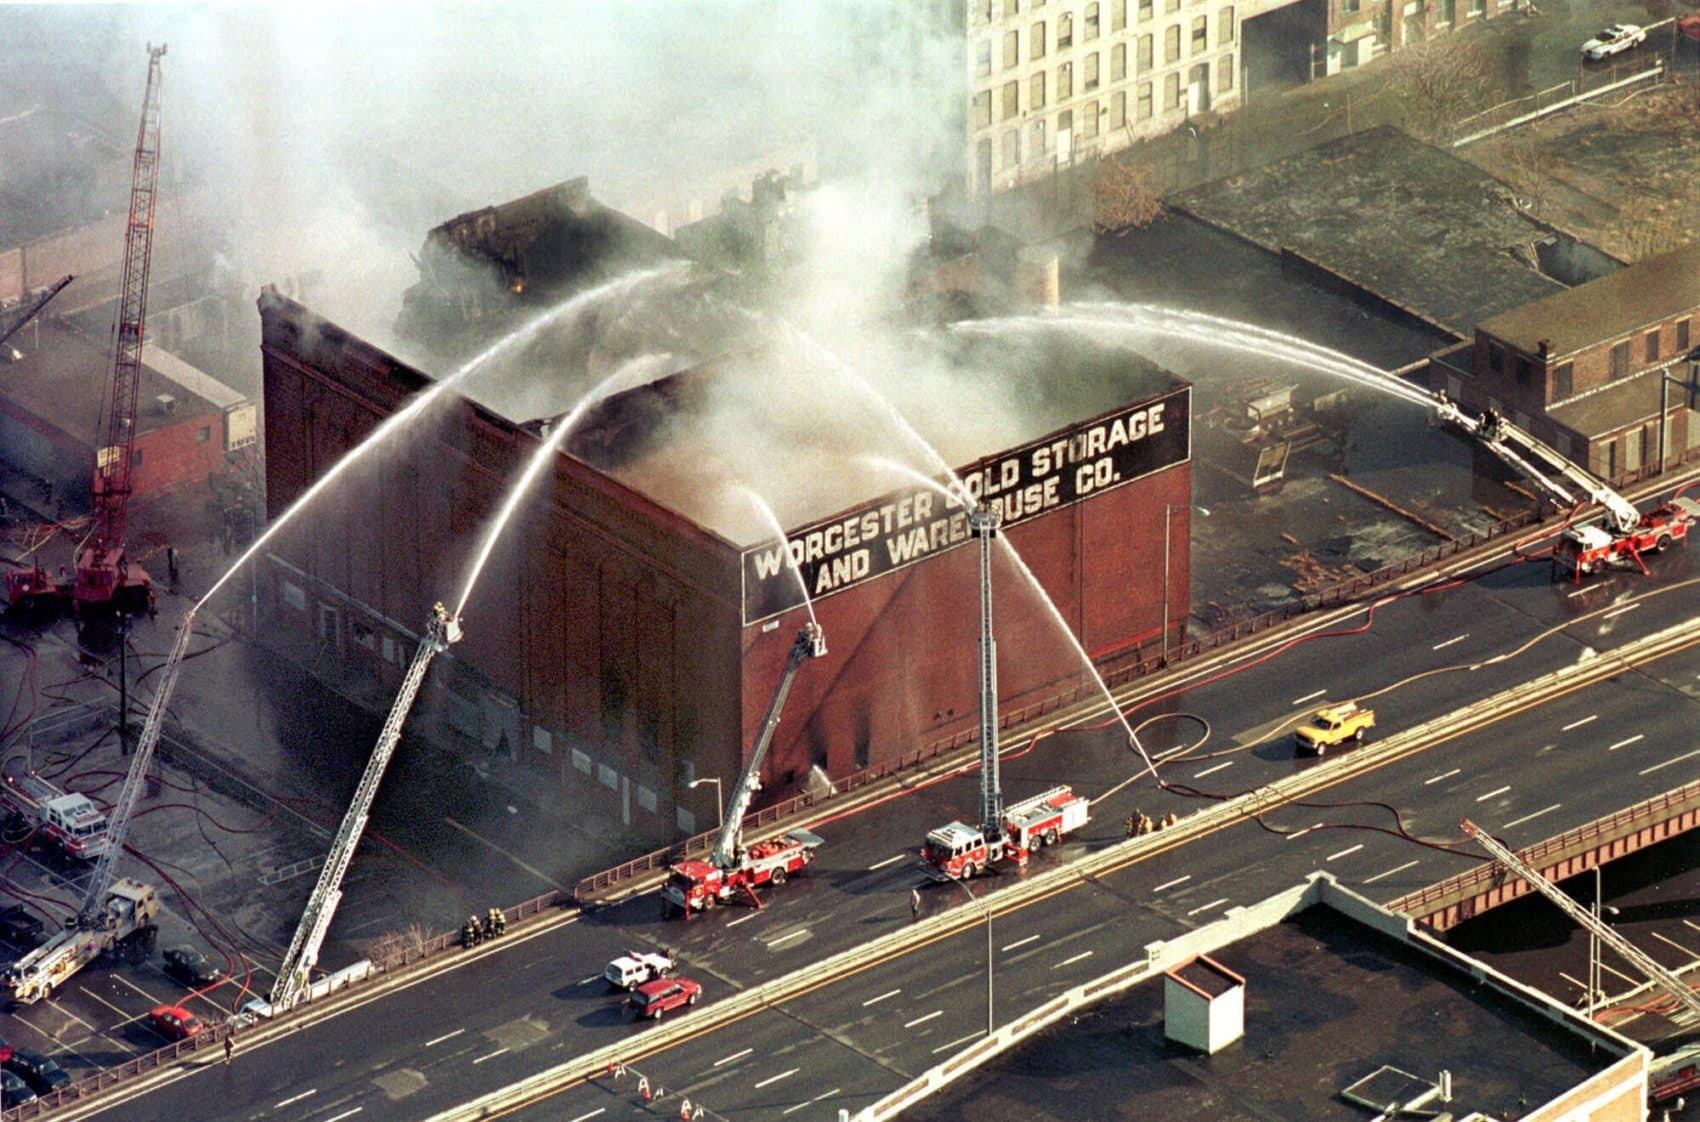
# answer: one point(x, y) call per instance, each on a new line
point(42, 1074)
point(20, 927)
point(13, 1090)
point(191, 967)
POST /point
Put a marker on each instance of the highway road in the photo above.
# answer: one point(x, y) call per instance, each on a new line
point(532, 1003)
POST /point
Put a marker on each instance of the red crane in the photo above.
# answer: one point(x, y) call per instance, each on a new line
point(105, 580)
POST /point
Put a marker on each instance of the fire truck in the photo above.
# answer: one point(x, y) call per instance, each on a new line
point(70, 821)
point(127, 914)
point(1619, 540)
point(734, 869)
point(960, 851)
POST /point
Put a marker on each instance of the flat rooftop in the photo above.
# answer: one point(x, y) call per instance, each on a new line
point(1413, 224)
point(1328, 1002)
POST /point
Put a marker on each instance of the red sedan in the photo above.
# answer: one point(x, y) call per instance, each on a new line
point(175, 1022)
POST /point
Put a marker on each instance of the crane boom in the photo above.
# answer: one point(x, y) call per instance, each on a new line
point(102, 572)
point(303, 955)
point(118, 819)
point(810, 643)
point(1540, 462)
point(35, 307)
point(1632, 954)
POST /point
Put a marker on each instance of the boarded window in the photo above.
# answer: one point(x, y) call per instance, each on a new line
point(1144, 57)
point(1092, 71)
point(1036, 41)
point(1118, 14)
point(982, 113)
point(1523, 370)
point(983, 58)
point(1172, 43)
point(1065, 81)
point(1225, 25)
point(1620, 359)
point(1011, 50)
point(1011, 100)
point(1118, 62)
point(1036, 91)
point(1563, 378)
point(1012, 148)
point(1652, 346)
point(1225, 73)
point(1496, 358)
point(1682, 334)
point(1118, 109)
point(1142, 104)
point(1172, 91)
point(1089, 120)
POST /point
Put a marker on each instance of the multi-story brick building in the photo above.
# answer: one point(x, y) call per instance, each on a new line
point(1586, 369)
point(1055, 81)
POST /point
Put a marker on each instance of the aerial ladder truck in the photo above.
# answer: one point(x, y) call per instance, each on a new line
point(1667, 1076)
point(958, 851)
point(7, 330)
point(105, 581)
point(1616, 543)
point(293, 976)
point(732, 868)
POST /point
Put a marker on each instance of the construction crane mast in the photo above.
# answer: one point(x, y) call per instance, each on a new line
point(104, 577)
point(1632, 954)
point(303, 955)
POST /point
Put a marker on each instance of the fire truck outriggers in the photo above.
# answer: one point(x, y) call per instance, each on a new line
point(732, 868)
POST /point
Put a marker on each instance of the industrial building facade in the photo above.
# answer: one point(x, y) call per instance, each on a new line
point(615, 638)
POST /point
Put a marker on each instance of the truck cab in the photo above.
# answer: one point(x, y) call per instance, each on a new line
point(1332, 725)
point(958, 851)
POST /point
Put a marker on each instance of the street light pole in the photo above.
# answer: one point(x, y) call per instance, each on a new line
point(987, 912)
point(719, 807)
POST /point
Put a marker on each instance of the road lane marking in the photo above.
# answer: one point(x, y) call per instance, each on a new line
point(882, 997)
point(1583, 591)
point(925, 1019)
point(1531, 817)
point(1218, 767)
point(1172, 883)
point(1493, 793)
point(106, 1003)
point(1345, 852)
point(296, 1098)
point(743, 919)
point(797, 934)
point(1589, 719)
point(445, 1036)
point(1303, 832)
point(54, 1002)
point(954, 1043)
point(581, 981)
point(733, 1056)
point(1444, 775)
point(1308, 697)
point(1615, 612)
point(345, 1114)
point(1207, 907)
point(1072, 961)
point(1390, 872)
point(1668, 763)
point(490, 1056)
point(1640, 736)
point(1449, 642)
point(777, 1078)
point(588, 1117)
point(1019, 943)
point(801, 1105)
point(888, 861)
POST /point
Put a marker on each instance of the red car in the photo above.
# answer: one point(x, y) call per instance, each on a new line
point(175, 1022)
point(655, 998)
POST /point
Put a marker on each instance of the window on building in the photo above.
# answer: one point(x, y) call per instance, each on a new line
point(1012, 148)
point(983, 58)
point(1118, 14)
point(1092, 71)
point(1200, 36)
point(1225, 73)
point(1682, 335)
point(1225, 26)
point(1350, 7)
point(1011, 100)
point(1620, 359)
point(1011, 8)
point(1145, 48)
point(1118, 109)
point(1011, 50)
point(1089, 120)
point(1172, 91)
point(1653, 346)
point(1036, 41)
point(1065, 81)
point(1448, 12)
point(1065, 122)
point(1118, 62)
point(983, 162)
point(1496, 358)
point(1523, 370)
point(1563, 378)
point(1036, 139)
point(1147, 9)
point(1065, 31)
point(982, 115)
point(203, 434)
point(1477, 7)
point(1036, 91)
point(1172, 43)
point(1142, 102)
point(1171, 6)
point(982, 11)
point(1090, 31)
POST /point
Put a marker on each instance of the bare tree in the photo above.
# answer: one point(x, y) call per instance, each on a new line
point(1439, 82)
point(1123, 196)
point(405, 944)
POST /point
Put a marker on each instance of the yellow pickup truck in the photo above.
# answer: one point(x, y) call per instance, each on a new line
point(1334, 725)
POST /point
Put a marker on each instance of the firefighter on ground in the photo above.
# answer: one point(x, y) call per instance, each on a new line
point(915, 903)
point(469, 932)
point(494, 923)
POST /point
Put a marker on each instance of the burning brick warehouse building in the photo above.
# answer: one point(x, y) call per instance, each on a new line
point(630, 629)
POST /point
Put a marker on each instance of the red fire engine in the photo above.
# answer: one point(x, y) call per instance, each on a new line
point(959, 851)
